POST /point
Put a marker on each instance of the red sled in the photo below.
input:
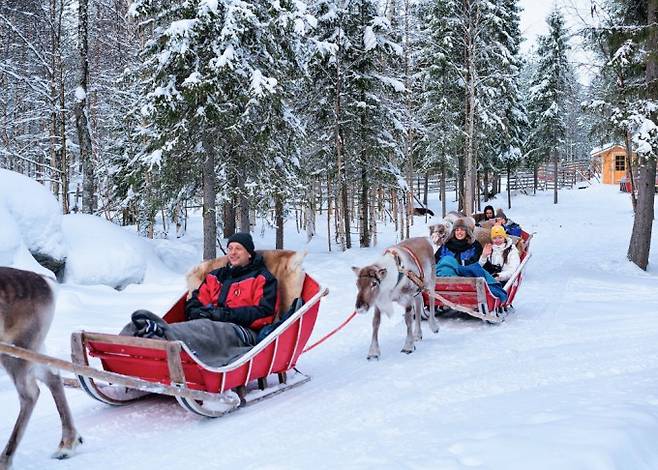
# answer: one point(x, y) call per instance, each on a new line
point(134, 367)
point(472, 296)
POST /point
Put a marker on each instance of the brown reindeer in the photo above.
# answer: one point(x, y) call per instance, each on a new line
point(382, 283)
point(27, 305)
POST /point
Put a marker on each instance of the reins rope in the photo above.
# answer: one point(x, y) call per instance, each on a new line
point(331, 333)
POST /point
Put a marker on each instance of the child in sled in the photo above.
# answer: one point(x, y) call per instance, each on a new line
point(500, 258)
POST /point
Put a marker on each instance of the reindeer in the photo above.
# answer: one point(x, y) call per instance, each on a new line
point(384, 282)
point(27, 305)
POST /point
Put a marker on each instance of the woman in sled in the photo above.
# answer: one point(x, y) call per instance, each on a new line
point(500, 258)
point(461, 245)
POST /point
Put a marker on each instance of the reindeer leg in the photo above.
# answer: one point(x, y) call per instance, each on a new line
point(418, 308)
point(408, 347)
point(374, 352)
point(434, 323)
point(70, 437)
point(22, 375)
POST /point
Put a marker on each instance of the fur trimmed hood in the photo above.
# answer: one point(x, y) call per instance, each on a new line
point(462, 223)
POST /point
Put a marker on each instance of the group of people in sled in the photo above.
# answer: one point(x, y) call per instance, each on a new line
point(463, 255)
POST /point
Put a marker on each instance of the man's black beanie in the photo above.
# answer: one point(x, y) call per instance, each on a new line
point(243, 239)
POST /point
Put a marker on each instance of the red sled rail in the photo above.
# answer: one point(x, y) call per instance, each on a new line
point(472, 295)
point(169, 367)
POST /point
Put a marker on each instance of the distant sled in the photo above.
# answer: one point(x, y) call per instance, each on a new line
point(472, 295)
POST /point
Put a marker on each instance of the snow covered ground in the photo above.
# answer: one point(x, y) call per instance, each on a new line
point(569, 381)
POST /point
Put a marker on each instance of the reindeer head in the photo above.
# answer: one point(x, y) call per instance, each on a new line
point(368, 280)
point(439, 233)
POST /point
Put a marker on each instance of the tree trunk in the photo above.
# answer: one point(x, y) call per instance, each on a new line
point(344, 228)
point(54, 160)
point(459, 182)
point(509, 188)
point(278, 220)
point(402, 212)
point(629, 167)
point(80, 110)
point(477, 192)
point(309, 215)
point(328, 212)
point(373, 218)
point(245, 225)
point(556, 176)
point(394, 208)
point(640, 244)
point(469, 155)
point(228, 218)
point(535, 175)
point(442, 190)
point(426, 182)
point(364, 222)
point(209, 204)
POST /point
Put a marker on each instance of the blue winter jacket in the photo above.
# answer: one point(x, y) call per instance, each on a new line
point(461, 250)
point(513, 229)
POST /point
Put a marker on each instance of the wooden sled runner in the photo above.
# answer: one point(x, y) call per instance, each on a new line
point(472, 295)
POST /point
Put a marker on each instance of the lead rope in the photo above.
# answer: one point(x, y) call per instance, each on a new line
point(331, 333)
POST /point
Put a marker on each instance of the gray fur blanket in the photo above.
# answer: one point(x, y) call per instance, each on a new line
point(214, 343)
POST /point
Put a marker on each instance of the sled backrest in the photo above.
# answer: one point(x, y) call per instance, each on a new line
point(285, 266)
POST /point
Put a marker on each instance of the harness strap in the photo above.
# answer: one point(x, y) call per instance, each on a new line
point(402, 271)
point(416, 260)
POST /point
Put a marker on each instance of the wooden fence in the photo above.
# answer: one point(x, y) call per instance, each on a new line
point(569, 174)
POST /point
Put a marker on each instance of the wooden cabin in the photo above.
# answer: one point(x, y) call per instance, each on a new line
point(611, 159)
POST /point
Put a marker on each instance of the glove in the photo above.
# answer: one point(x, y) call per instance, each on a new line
point(149, 325)
point(214, 314)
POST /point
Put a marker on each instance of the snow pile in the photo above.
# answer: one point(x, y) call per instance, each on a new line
point(31, 222)
point(95, 251)
point(101, 253)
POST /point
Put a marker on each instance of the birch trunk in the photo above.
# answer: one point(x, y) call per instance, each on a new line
point(80, 110)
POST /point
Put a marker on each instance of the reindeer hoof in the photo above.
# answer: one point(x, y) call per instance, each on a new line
point(373, 357)
point(64, 452)
point(408, 351)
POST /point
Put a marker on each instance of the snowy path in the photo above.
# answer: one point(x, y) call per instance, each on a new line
point(570, 381)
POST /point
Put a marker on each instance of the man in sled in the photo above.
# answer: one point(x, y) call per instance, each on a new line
point(227, 310)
